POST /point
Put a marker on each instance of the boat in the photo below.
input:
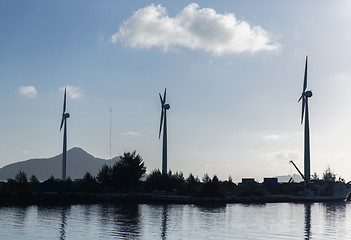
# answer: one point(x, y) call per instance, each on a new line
point(322, 191)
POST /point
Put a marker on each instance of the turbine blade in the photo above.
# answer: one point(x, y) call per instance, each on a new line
point(161, 121)
point(64, 109)
point(64, 102)
point(303, 108)
point(300, 98)
point(305, 77)
point(62, 121)
point(162, 103)
point(164, 96)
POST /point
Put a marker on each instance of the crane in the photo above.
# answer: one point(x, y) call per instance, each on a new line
point(291, 161)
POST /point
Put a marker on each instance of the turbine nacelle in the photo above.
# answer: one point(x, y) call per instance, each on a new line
point(307, 94)
point(166, 106)
point(65, 115)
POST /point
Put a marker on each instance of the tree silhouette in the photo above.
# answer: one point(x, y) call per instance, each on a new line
point(328, 175)
point(192, 184)
point(206, 178)
point(314, 176)
point(230, 179)
point(165, 182)
point(21, 178)
point(34, 179)
point(177, 181)
point(51, 178)
point(89, 179)
point(215, 179)
point(191, 179)
point(104, 176)
point(127, 172)
point(211, 187)
point(156, 181)
point(89, 183)
point(69, 180)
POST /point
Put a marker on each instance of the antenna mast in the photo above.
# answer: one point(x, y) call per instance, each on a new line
point(110, 129)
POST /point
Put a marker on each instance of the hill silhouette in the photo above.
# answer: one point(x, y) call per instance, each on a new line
point(78, 163)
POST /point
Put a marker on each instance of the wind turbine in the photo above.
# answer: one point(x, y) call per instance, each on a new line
point(304, 96)
point(65, 115)
point(164, 107)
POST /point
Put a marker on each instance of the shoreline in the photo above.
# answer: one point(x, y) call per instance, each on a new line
point(53, 198)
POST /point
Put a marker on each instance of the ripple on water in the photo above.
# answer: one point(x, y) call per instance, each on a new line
point(162, 221)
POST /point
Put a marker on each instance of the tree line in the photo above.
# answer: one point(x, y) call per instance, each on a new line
point(125, 176)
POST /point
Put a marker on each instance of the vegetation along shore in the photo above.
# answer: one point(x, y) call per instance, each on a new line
point(123, 182)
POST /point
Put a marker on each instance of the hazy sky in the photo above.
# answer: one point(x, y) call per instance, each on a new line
point(233, 72)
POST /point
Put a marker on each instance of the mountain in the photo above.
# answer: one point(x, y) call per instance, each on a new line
point(78, 163)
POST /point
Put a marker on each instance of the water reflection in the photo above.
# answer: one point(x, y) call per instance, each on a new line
point(211, 215)
point(63, 223)
point(19, 217)
point(164, 222)
point(121, 221)
point(104, 218)
point(307, 207)
point(212, 208)
point(335, 218)
point(88, 209)
point(328, 217)
point(126, 218)
point(335, 211)
point(53, 220)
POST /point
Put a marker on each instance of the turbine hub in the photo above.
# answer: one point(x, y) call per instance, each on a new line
point(166, 106)
point(66, 115)
point(308, 94)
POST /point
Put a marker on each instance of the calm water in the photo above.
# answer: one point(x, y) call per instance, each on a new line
point(144, 221)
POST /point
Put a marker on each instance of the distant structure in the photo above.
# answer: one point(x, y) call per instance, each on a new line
point(65, 115)
point(248, 182)
point(304, 97)
point(270, 183)
point(164, 108)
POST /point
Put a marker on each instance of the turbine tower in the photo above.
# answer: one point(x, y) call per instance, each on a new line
point(304, 96)
point(65, 115)
point(164, 108)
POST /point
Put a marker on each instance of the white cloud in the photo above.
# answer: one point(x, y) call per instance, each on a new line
point(194, 28)
point(274, 137)
point(73, 92)
point(28, 91)
point(282, 155)
point(131, 133)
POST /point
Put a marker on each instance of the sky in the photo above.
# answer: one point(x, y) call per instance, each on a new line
point(233, 72)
